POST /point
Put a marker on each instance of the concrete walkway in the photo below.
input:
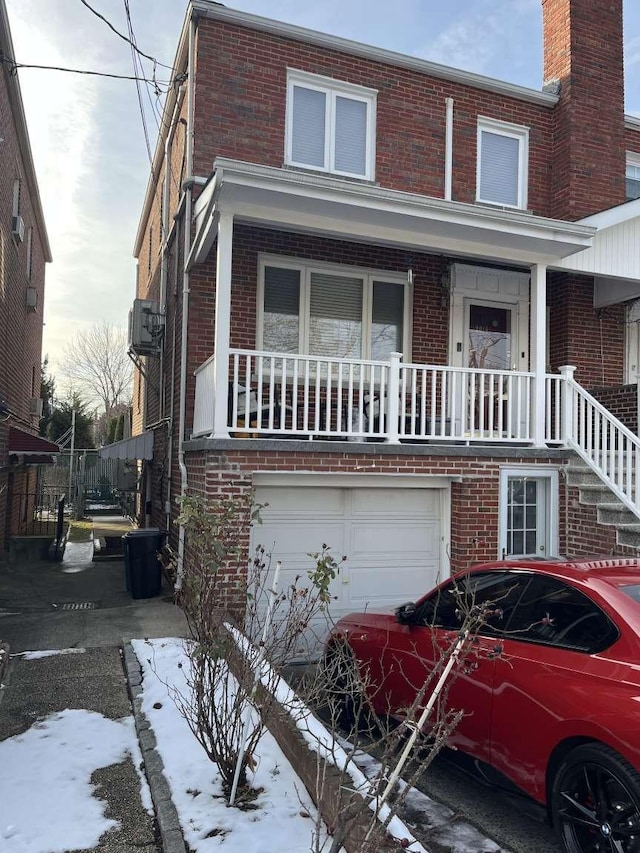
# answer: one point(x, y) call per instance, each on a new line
point(80, 604)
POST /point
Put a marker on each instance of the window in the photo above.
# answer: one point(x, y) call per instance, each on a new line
point(552, 613)
point(632, 176)
point(330, 126)
point(503, 154)
point(29, 251)
point(341, 312)
point(500, 591)
point(17, 189)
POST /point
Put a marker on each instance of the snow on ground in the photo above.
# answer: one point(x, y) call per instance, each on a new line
point(77, 555)
point(196, 787)
point(283, 817)
point(47, 799)
point(48, 653)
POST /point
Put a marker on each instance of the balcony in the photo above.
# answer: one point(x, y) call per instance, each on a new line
point(284, 395)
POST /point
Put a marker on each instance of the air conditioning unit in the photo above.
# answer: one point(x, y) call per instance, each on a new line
point(146, 327)
point(35, 406)
point(17, 228)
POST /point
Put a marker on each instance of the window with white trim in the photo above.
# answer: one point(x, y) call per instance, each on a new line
point(330, 125)
point(343, 312)
point(503, 157)
point(632, 176)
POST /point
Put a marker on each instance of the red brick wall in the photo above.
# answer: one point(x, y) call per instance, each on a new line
point(474, 500)
point(20, 329)
point(581, 335)
point(621, 401)
point(632, 140)
point(240, 112)
point(583, 50)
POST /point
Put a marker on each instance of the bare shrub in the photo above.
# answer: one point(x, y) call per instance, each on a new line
point(221, 708)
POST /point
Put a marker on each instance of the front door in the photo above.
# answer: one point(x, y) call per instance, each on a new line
point(528, 513)
point(489, 333)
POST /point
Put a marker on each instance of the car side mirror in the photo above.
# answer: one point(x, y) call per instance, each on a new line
point(406, 613)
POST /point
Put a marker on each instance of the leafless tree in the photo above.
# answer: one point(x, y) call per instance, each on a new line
point(96, 362)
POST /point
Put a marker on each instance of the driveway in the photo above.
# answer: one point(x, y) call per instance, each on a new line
point(83, 609)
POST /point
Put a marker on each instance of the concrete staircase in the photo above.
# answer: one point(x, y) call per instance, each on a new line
point(610, 510)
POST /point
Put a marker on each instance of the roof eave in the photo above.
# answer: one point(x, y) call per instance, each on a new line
point(216, 11)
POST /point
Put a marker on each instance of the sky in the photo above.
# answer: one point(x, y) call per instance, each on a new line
point(87, 136)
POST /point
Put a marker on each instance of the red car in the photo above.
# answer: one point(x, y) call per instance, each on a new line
point(552, 701)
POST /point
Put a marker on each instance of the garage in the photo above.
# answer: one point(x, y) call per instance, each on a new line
point(394, 532)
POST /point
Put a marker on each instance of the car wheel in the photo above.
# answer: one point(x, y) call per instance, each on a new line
point(595, 802)
point(344, 687)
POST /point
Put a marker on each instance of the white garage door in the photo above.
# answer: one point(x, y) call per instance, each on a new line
point(390, 536)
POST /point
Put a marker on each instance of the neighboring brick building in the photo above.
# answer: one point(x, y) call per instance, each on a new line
point(317, 206)
point(24, 251)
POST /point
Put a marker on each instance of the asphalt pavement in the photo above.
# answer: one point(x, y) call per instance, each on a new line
point(80, 604)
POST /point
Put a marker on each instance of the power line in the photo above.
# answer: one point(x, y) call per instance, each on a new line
point(123, 37)
point(134, 58)
point(14, 65)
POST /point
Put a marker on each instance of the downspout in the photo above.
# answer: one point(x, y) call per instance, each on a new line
point(185, 295)
point(448, 148)
point(164, 276)
point(167, 508)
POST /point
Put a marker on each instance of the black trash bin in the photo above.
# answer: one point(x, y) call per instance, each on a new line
point(142, 570)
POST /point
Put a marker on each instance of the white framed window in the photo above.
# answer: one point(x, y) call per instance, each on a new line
point(503, 163)
point(330, 125)
point(528, 512)
point(329, 310)
point(632, 176)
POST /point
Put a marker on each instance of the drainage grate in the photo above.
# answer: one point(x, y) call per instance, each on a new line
point(76, 605)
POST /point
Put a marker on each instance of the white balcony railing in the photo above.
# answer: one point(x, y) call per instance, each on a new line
point(298, 396)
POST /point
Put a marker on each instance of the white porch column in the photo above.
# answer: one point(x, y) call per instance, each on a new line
point(538, 351)
point(222, 326)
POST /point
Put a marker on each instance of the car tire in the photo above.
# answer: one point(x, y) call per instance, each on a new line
point(595, 801)
point(344, 688)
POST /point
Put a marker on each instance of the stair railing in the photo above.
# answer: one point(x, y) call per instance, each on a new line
point(607, 446)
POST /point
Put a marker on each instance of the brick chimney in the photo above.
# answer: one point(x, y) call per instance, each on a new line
point(583, 53)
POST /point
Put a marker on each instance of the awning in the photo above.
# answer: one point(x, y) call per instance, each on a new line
point(136, 447)
point(35, 450)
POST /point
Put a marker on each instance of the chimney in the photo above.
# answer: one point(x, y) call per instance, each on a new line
point(583, 55)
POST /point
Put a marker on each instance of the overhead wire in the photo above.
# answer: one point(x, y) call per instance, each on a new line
point(135, 71)
point(14, 65)
point(122, 36)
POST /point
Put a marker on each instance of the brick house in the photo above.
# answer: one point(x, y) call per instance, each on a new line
point(388, 296)
point(24, 251)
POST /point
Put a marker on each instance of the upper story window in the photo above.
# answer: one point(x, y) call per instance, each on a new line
point(503, 156)
point(342, 312)
point(330, 125)
point(632, 176)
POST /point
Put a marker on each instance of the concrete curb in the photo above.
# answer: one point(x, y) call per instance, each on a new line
point(166, 813)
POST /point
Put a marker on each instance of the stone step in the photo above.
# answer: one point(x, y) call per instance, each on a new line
point(615, 513)
point(628, 534)
point(596, 494)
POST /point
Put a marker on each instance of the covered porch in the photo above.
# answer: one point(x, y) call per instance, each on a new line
point(307, 391)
